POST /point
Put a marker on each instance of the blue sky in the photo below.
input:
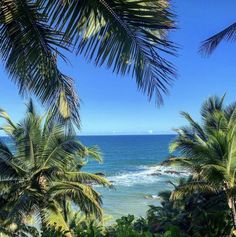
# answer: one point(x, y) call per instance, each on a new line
point(112, 105)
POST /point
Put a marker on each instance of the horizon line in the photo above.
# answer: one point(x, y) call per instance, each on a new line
point(118, 134)
point(127, 134)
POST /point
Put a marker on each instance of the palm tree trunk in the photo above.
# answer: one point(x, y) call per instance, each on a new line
point(231, 203)
point(65, 209)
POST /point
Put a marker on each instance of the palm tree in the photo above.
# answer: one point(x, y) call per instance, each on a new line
point(197, 214)
point(128, 36)
point(43, 171)
point(208, 150)
point(210, 44)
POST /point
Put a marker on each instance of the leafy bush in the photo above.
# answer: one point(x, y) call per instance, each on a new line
point(126, 226)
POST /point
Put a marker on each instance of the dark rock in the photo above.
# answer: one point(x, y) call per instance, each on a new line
point(171, 172)
point(100, 174)
point(155, 174)
point(158, 171)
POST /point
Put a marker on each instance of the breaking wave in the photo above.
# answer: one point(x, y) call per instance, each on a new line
point(147, 175)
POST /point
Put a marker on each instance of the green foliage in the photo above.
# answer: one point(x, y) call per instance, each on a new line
point(43, 173)
point(196, 214)
point(171, 231)
point(51, 232)
point(18, 230)
point(208, 152)
point(128, 226)
point(42, 179)
point(89, 229)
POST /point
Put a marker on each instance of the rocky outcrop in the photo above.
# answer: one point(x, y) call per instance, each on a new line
point(100, 174)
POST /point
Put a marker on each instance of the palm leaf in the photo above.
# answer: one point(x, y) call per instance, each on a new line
point(94, 153)
point(121, 35)
point(88, 200)
point(210, 44)
point(212, 104)
point(88, 178)
point(230, 113)
point(28, 49)
point(198, 129)
point(53, 219)
point(191, 187)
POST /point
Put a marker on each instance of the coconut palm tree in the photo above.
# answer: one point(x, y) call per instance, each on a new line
point(44, 170)
point(210, 44)
point(208, 150)
point(128, 36)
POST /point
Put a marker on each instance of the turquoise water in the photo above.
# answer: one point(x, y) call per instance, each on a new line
point(130, 162)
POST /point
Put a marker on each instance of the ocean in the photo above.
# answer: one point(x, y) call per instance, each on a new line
point(132, 164)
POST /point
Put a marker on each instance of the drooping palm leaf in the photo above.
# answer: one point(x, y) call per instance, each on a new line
point(192, 187)
point(84, 177)
point(28, 49)
point(88, 200)
point(53, 219)
point(128, 36)
point(124, 35)
point(210, 44)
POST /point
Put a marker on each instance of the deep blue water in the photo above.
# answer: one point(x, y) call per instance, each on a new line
point(127, 153)
point(129, 162)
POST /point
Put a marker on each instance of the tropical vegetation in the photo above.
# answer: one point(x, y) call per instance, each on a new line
point(44, 191)
point(40, 175)
point(208, 150)
point(43, 188)
point(204, 203)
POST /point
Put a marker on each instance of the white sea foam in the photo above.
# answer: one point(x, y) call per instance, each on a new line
point(147, 175)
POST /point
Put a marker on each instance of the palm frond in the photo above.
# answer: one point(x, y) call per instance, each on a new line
point(191, 187)
point(230, 113)
point(198, 129)
point(29, 49)
point(6, 117)
point(212, 104)
point(8, 168)
point(53, 219)
point(88, 200)
point(210, 44)
point(86, 178)
point(94, 153)
point(121, 35)
point(215, 173)
point(60, 151)
point(231, 154)
point(179, 161)
point(190, 148)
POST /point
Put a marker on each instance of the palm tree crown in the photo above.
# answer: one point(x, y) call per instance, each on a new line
point(208, 150)
point(43, 172)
